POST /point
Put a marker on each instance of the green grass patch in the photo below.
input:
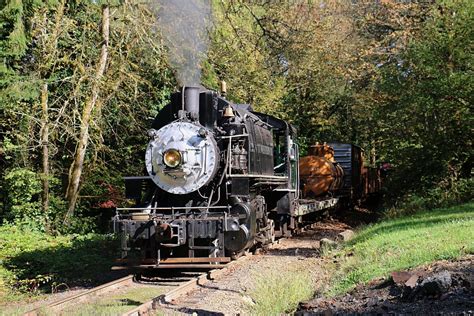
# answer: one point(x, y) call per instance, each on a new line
point(278, 292)
point(32, 263)
point(403, 243)
point(117, 304)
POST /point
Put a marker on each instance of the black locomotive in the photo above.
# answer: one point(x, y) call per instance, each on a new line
point(222, 179)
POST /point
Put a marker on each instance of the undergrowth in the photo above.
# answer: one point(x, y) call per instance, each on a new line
point(446, 193)
point(404, 242)
point(278, 292)
point(33, 262)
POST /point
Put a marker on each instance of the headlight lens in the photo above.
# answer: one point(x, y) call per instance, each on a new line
point(172, 158)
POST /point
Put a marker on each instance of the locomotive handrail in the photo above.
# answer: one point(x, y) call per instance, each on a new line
point(170, 208)
point(233, 136)
point(212, 217)
point(229, 149)
point(258, 176)
point(297, 151)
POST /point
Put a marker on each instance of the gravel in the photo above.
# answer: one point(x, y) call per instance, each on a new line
point(230, 294)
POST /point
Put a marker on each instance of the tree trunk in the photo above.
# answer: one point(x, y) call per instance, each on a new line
point(76, 168)
point(45, 145)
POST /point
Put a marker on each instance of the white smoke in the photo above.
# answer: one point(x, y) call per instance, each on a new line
point(183, 24)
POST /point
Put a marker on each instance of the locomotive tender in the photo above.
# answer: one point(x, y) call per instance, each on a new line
point(222, 178)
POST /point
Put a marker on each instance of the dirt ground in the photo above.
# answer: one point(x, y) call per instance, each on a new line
point(229, 295)
point(442, 288)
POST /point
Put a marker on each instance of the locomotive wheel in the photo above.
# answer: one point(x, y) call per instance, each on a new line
point(271, 231)
point(239, 254)
point(137, 277)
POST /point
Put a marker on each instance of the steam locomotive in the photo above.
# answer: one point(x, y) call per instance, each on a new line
point(222, 178)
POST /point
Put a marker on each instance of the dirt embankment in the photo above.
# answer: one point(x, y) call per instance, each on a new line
point(444, 287)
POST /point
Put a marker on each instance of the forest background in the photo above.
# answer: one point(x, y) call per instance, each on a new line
point(81, 80)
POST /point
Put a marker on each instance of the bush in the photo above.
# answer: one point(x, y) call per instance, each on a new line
point(446, 194)
point(22, 187)
point(22, 205)
point(31, 261)
point(278, 292)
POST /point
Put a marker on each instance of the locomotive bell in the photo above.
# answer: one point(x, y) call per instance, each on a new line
point(228, 112)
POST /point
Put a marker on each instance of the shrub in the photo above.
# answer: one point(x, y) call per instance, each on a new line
point(446, 194)
point(22, 187)
point(277, 292)
point(32, 260)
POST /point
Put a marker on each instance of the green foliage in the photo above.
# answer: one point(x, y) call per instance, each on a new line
point(276, 293)
point(426, 123)
point(446, 194)
point(62, 49)
point(22, 205)
point(404, 243)
point(22, 187)
point(33, 261)
point(392, 77)
point(14, 43)
point(239, 55)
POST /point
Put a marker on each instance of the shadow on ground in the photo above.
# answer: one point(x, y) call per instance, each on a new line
point(78, 262)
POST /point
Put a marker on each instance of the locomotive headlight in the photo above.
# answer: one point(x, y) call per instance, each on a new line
point(172, 158)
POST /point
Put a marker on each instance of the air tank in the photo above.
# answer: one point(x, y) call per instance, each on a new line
point(320, 174)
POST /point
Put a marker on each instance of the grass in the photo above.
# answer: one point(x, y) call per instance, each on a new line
point(118, 303)
point(33, 263)
point(109, 305)
point(403, 243)
point(278, 292)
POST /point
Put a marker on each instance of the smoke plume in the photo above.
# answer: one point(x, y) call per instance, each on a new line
point(183, 24)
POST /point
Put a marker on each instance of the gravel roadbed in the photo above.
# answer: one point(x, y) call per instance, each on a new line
point(230, 294)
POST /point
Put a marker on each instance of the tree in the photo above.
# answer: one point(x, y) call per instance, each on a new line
point(63, 52)
point(75, 171)
point(426, 120)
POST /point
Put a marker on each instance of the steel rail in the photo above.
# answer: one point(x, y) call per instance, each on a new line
point(148, 307)
point(61, 304)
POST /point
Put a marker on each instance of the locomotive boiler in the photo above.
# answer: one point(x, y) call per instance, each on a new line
point(220, 179)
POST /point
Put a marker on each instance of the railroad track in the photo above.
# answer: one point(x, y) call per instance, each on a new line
point(59, 305)
point(148, 307)
point(178, 285)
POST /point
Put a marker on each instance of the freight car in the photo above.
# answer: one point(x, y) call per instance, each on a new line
point(339, 169)
point(221, 179)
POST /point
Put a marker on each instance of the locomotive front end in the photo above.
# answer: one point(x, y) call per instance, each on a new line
point(181, 157)
point(183, 206)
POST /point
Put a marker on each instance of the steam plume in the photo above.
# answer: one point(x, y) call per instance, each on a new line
point(183, 24)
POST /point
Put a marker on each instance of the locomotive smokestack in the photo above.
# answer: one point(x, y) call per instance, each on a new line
point(191, 101)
